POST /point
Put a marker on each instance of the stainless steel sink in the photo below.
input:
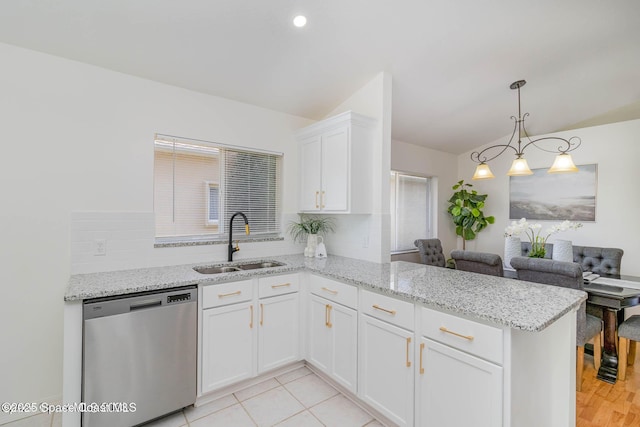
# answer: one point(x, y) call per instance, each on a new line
point(215, 270)
point(238, 267)
point(255, 265)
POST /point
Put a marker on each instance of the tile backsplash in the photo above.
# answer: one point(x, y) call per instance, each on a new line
point(127, 241)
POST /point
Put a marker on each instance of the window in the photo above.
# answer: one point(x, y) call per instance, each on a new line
point(198, 185)
point(410, 210)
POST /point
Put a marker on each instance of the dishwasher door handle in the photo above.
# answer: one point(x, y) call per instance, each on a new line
point(145, 304)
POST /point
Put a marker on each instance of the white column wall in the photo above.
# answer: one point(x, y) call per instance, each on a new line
point(367, 236)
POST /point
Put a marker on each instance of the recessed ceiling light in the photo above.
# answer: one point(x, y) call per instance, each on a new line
point(300, 21)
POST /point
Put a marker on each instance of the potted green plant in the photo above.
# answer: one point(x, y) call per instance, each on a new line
point(309, 228)
point(465, 208)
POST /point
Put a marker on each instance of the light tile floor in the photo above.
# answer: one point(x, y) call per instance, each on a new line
point(296, 399)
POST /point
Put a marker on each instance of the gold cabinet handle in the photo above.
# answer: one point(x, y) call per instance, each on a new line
point(261, 314)
point(251, 321)
point(280, 286)
point(317, 193)
point(447, 331)
point(421, 351)
point(377, 307)
point(229, 295)
point(322, 200)
point(331, 291)
point(408, 344)
point(327, 314)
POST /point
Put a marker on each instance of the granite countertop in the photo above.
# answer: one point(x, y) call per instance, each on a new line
point(506, 302)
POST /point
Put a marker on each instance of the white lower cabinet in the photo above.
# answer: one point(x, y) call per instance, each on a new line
point(386, 372)
point(333, 340)
point(415, 365)
point(242, 339)
point(228, 349)
point(457, 389)
point(278, 331)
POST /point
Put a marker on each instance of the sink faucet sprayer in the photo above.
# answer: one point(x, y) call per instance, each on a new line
point(246, 229)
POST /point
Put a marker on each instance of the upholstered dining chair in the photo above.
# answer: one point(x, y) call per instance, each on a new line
point(430, 252)
point(478, 262)
point(568, 275)
point(628, 335)
point(598, 260)
point(591, 258)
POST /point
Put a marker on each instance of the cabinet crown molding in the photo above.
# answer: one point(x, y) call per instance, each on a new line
point(335, 122)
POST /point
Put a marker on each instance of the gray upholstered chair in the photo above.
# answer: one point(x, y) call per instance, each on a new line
point(430, 252)
point(591, 258)
point(598, 260)
point(568, 275)
point(478, 262)
point(628, 334)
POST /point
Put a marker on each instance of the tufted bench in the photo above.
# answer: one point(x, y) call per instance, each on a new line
point(591, 258)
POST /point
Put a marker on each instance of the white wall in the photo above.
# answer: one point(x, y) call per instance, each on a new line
point(616, 150)
point(367, 236)
point(444, 168)
point(78, 138)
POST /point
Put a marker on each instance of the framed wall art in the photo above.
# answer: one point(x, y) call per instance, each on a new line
point(545, 196)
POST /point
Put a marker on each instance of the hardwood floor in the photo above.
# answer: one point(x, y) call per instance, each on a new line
point(605, 405)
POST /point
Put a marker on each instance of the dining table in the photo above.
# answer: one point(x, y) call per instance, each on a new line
point(610, 294)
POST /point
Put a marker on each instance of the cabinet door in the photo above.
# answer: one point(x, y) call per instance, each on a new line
point(320, 334)
point(310, 174)
point(278, 332)
point(335, 170)
point(456, 388)
point(386, 373)
point(228, 349)
point(344, 328)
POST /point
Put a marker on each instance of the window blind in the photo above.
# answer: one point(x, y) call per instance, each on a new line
point(252, 186)
point(410, 210)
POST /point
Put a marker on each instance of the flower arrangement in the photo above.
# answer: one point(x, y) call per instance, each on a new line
point(534, 232)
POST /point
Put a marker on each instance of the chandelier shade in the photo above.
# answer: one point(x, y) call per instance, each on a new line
point(483, 172)
point(563, 162)
point(520, 167)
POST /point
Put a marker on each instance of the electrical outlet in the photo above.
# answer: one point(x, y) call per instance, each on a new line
point(100, 247)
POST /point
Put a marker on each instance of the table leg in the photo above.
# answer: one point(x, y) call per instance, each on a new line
point(608, 371)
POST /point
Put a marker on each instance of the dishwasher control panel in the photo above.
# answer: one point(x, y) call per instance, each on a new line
point(109, 306)
point(179, 297)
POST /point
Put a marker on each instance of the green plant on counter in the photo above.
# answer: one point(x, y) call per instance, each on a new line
point(465, 208)
point(310, 225)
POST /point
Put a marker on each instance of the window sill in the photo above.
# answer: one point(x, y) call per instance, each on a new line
point(173, 243)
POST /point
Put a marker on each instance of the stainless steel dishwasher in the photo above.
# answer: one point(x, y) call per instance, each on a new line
point(139, 349)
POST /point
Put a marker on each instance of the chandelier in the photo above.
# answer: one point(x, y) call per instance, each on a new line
point(562, 164)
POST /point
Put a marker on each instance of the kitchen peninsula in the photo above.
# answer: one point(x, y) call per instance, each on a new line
point(504, 349)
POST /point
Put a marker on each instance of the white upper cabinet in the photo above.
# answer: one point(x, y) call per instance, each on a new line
point(336, 159)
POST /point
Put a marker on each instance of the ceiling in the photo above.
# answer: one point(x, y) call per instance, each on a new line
point(451, 61)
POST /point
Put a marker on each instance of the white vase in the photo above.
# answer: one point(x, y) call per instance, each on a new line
point(512, 248)
point(562, 251)
point(312, 244)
